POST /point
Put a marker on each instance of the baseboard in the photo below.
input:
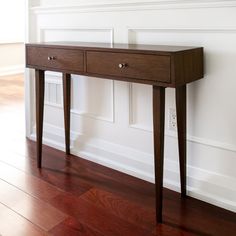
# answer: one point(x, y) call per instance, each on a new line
point(208, 186)
point(12, 70)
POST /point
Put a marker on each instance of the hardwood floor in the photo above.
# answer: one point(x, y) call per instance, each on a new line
point(73, 196)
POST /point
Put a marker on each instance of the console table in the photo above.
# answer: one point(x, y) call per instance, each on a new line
point(159, 66)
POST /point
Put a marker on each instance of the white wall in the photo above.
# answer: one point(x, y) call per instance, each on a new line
point(12, 15)
point(12, 58)
point(12, 25)
point(112, 120)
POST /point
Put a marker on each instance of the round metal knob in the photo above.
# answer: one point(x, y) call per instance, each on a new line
point(122, 65)
point(51, 58)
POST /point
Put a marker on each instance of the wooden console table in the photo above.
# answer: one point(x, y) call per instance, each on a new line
point(159, 66)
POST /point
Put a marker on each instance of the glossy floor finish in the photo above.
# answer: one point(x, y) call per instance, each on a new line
point(71, 196)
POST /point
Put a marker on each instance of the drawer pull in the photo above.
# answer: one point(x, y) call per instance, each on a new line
point(122, 65)
point(51, 58)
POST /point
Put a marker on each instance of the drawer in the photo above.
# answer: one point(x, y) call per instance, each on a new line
point(53, 58)
point(129, 65)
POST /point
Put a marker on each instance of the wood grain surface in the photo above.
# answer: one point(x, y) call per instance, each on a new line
point(81, 198)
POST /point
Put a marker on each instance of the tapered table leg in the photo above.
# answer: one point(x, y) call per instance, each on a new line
point(158, 131)
point(181, 124)
point(67, 104)
point(39, 91)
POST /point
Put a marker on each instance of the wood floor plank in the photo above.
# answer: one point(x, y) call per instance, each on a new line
point(194, 216)
point(113, 181)
point(17, 161)
point(54, 173)
point(167, 230)
point(12, 224)
point(131, 212)
point(28, 183)
point(96, 218)
point(73, 227)
point(38, 212)
point(92, 174)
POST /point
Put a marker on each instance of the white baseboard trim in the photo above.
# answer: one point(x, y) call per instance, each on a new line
point(207, 186)
point(12, 70)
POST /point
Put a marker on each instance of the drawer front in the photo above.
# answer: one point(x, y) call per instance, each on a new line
point(52, 58)
point(129, 65)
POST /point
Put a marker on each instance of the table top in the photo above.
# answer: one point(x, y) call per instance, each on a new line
point(107, 46)
point(161, 65)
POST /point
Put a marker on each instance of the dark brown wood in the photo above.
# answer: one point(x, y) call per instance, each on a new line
point(187, 66)
point(135, 213)
point(181, 107)
point(45, 216)
point(55, 58)
point(98, 189)
point(104, 191)
point(121, 47)
point(167, 66)
point(98, 218)
point(148, 67)
point(160, 66)
point(67, 104)
point(158, 132)
point(109, 193)
point(27, 183)
point(39, 90)
point(72, 227)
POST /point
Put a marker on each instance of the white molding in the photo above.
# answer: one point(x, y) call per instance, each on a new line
point(110, 119)
point(130, 114)
point(180, 30)
point(81, 113)
point(53, 77)
point(41, 31)
point(190, 138)
point(12, 70)
point(2, 43)
point(133, 5)
point(57, 76)
point(205, 141)
point(186, 30)
point(93, 116)
point(141, 165)
point(58, 81)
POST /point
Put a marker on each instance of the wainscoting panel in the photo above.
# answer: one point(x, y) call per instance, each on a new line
point(219, 66)
point(85, 99)
point(112, 120)
point(75, 34)
point(140, 97)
